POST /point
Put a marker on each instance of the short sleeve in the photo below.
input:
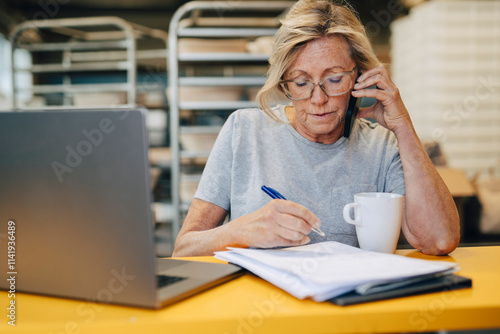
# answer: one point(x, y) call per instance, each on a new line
point(215, 183)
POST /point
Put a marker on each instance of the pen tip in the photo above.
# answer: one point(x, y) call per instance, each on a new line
point(318, 231)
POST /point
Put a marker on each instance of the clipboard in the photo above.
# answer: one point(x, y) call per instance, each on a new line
point(438, 284)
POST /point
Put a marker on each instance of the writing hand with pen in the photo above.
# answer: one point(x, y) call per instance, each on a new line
point(276, 195)
point(278, 223)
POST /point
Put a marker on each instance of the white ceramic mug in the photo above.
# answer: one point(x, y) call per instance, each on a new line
point(377, 217)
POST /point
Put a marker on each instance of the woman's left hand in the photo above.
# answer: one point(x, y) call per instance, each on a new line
point(389, 109)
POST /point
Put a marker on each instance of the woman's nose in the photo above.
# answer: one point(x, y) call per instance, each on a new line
point(318, 95)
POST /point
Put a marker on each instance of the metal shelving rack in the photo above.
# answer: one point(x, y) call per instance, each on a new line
point(213, 20)
point(99, 62)
point(65, 47)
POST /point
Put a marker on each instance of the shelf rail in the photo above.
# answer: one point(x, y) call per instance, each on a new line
point(192, 13)
point(120, 35)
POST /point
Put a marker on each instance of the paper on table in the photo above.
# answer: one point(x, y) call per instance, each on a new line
point(328, 269)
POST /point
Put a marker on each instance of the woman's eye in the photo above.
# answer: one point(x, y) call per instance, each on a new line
point(334, 80)
point(300, 83)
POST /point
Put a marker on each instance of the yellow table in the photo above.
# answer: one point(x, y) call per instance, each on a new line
point(249, 305)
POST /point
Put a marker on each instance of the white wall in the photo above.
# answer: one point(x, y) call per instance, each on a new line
point(446, 62)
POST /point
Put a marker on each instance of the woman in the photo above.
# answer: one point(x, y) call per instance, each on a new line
point(321, 57)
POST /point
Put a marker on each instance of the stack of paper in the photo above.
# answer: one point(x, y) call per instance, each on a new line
point(325, 270)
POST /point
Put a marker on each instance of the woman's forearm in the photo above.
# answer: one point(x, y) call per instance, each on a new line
point(202, 232)
point(431, 222)
point(204, 243)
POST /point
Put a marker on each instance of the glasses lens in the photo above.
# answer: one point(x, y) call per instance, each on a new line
point(337, 84)
point(298, 89)
point(332, 86)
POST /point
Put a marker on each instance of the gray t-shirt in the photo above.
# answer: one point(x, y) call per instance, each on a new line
point(253, 150)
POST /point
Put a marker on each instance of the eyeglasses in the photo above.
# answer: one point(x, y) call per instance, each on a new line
point(333, 85)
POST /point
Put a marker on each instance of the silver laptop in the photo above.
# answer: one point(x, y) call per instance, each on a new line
point(75, 212)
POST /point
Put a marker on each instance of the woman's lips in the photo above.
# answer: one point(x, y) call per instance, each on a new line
point(323, 115)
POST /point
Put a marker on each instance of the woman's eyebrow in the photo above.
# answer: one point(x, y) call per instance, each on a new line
point(296, 73)
point(338, 68)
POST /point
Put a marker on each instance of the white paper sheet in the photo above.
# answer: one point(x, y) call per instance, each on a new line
point(325, 270)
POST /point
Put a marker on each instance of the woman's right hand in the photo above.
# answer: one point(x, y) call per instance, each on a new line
point(278, 223)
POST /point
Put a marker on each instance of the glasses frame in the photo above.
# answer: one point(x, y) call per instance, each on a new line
point(320, 84)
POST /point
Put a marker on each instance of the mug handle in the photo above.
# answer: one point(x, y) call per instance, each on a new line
point(357, 215)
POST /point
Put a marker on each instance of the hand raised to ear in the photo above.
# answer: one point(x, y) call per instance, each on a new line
point(389, 109)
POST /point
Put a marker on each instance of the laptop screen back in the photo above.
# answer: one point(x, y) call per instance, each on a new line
point(75, 187)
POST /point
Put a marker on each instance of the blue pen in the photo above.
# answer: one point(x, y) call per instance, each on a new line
point(276, 195)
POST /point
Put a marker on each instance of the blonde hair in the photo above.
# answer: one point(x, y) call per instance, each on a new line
point(308, 20)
